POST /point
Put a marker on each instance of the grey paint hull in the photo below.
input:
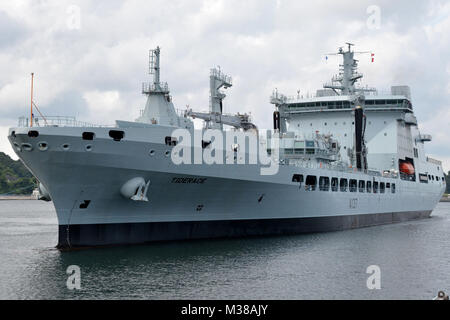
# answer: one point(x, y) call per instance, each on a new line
point(233, 200)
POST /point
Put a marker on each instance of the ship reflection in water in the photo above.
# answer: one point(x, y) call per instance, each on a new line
point(413, 258)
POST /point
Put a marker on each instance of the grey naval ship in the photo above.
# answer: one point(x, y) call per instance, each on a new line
point(347, 157)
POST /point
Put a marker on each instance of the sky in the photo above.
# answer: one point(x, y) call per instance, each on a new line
point(90, 57)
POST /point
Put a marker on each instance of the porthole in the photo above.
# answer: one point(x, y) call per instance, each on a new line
point(33, 134)
point(18, 148)
point(66, 146)
point(88, 147)
point(167, 153)
point(43, 146)
point(385, 134)
point(27, 147)
point(152, 153)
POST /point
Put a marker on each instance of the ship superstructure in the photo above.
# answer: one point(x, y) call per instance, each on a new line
point(348, 157)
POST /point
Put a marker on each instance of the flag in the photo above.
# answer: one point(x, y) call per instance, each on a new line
point(373, 56)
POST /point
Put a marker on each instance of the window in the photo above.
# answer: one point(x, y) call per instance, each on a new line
point(362, 185)
point(170, 141)
point(324, 183)
point(423, 178)
point(205, 144)
point(416, 153)
point(311, 183)
point(382, 188)
point(297, 178)
point(353, 185)
point(334, 184)
point(369, 186)
point(388, 185)
point(375, 187)
point(343, 185)
point(393, 188)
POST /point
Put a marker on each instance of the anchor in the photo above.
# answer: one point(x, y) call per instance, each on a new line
point(135, 189)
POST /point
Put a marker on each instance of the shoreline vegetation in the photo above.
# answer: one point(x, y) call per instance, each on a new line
point(15, 179)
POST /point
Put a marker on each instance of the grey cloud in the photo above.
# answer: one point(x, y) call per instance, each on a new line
point(11, 31)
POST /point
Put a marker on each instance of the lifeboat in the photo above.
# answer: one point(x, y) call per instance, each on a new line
point(407, 168)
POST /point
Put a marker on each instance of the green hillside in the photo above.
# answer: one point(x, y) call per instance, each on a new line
point(14, 177)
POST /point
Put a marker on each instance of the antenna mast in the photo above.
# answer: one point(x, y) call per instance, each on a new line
point(348, 75)
point(157, 86)
point(31, 105)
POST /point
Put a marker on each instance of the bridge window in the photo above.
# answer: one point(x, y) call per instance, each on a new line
point(311, 183)
point(362, 185)
point(334, 184)
point(343, 184)
point(369, 186)
point(382, 187)
point(297, 178)
point(324, 183)
point(375, 187)
point(393, 188)
point(353, 185)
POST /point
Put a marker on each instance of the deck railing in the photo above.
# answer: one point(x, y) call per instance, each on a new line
point(56, 121)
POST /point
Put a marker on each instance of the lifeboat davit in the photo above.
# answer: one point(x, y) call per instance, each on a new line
point(407, 168)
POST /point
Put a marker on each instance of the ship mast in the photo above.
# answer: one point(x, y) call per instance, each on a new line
point(348, 74)
point(31, 105)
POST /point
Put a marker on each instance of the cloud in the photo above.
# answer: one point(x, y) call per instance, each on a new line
point(95, 71)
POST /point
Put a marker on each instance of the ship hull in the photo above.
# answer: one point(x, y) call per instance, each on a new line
point(88, 235)
point(196, 201)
